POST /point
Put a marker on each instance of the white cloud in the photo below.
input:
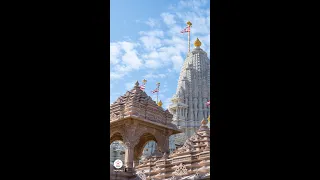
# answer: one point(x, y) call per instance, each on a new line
point(115, 51)
point(153, 64)
point(129, 59)
point(154, 76)
point(195, 4)
point(151, 39)
point(116, 75)
point(155, 33)
point(150, 42)
point(151, 22)
point(177, 63)
point(180, 44)
point(168, 18)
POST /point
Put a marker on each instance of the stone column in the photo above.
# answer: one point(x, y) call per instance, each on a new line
point(177, 113)
point(166, 145)
point(129, 156)
point(135, 163)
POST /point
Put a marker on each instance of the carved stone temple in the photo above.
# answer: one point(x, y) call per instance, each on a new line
point(193, 91)
point(191, 161)
point(135, 119)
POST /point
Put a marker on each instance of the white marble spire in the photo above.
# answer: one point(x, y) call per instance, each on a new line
point(193, 91)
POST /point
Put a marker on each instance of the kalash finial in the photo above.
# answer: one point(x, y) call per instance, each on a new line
point(204, 122)
point(189, 23)
point(197, 43)
point(160, 103)
point(144, 81)
point(136, 84)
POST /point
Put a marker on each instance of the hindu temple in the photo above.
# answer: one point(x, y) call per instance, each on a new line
point(180, 135)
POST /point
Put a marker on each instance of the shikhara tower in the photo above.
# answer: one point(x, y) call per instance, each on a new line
point(193, 91)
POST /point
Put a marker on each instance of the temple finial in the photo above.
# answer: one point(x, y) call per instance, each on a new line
point(204, 122)
point(197, 43)
point(136, 84)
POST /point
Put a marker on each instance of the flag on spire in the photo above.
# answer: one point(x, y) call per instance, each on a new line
point(187, 29)
point(208, 103)
point(156, 90)
point(142, 87)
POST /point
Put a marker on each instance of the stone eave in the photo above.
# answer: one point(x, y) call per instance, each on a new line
point(175, 131)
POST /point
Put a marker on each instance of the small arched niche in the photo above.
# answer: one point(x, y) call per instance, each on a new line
point(146, 146)
point(117, 148)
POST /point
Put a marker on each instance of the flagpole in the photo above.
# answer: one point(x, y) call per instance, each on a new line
point(144, 83)
point(158, 87)
point(189, 25)
point(189, 41)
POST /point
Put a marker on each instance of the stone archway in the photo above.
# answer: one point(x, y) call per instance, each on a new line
point(116, 137)
point(138, 150)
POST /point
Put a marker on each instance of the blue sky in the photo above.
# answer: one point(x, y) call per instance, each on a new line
point(146, 43)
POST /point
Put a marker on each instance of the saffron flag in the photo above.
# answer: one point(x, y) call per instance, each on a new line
point(187, 29)
point(156, 90)
point(208, 103)
point(142, 87)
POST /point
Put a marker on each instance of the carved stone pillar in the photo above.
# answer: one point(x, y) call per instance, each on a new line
point(129, 156)
point(177, 111)
point(165, 145)
point(135, 163)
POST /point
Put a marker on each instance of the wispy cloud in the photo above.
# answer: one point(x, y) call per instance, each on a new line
point(124, 58)
point(151, 22)
point(168, 18)
point(154, 76)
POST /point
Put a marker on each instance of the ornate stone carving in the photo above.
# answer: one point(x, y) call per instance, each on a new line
point(141, 175)
point(181, 170)
point(192, 90)
point(173, 178)
point(137, 102)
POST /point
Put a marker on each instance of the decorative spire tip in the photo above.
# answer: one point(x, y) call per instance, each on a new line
point(136, 84)
point(204, 122)
point(197, 43)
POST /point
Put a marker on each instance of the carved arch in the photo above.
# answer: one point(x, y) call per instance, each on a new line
point(143, 140)
point(117, 136)
point(116, 131)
